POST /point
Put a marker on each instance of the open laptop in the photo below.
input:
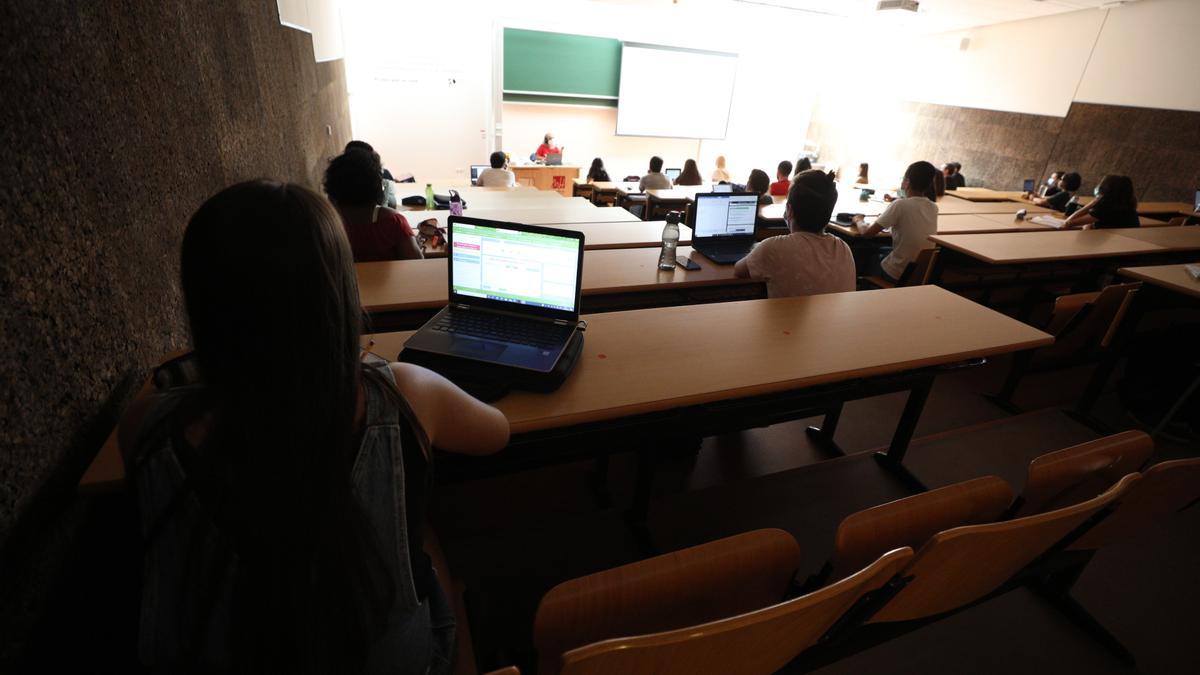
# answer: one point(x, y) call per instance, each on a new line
point(554, 159)
point(514, 294)
point(722, 187)
point(723, 230)
point(672, 173)
point(477, 169)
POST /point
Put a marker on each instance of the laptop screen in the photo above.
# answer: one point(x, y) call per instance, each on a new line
point(515, 267)
point(722, 187)
point(673, 173)
point(1197, 204)
point(476, 169)
point(724, 215)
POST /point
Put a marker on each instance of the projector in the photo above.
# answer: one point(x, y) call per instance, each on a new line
point(906, 5)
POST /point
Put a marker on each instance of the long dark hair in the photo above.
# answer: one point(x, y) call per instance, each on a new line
point(690, 174)
point(1117, 192)
point(272, 300)
point(920, 180)
point(597, 172)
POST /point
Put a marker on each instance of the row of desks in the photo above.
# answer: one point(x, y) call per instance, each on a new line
point(1064, 245)
point(980, 194)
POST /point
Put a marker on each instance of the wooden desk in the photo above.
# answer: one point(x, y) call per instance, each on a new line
point(982, 194)
point(558, 215)
point(795, 343)
point(403, 294)
point(638, 379)
point(1151, 208)
point(1170, 238)
point(958, 224)
point(1171, 277)
point(600, 236)
point(556, 178)
point(1025, 247)
point(954, 206)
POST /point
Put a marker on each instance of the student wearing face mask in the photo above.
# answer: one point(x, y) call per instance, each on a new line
point(1052, 185)
point(1064, 191)
point(1114, 206)
point(912, 219)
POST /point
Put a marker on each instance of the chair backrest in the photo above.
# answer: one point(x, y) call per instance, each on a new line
point(755, 643)
point(1080, 472)
point(962, 565)
point(1178, 221)
point(918, 272)
point(712, 581)
point(914, 520)
point(1086, 323)
point(1165, 489)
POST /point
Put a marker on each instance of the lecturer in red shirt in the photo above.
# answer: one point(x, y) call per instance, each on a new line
point(548, 147)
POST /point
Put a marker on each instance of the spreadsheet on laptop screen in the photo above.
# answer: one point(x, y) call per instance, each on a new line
point(524, 268)
point(722, 215)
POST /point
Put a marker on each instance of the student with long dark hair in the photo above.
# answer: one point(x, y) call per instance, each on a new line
point(597, 173)
point(803, 164)
point(690, 174)
point(1115, 206)
point(912, 219)
point(281, 472)
point(376, 232)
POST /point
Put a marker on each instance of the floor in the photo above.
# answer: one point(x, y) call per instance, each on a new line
point(550, 529)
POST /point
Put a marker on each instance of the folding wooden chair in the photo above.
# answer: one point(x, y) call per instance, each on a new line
point(714, 608)
point(1080, 472)
point(1084, 326)
point(917, 273)
point(585, 190)
point(913, 521)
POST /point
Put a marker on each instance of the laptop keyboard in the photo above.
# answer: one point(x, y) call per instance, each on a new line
point(539, 334)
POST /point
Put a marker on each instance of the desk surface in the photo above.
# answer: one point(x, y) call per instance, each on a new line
point(1028, 247)
point(960, 224)
point(1172, 277)
point(599, 236)
point(645, 361)
point(1171, 238)
point(954, 206)
point(982, 194)
point(403, 285)
point(559, 215)
point(1181, 208)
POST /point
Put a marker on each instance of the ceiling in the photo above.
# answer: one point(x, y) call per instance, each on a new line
point(937, 15)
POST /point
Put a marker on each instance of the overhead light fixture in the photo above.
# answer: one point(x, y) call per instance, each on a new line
point(906, 5)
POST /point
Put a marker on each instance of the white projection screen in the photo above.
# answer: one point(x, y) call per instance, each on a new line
point(674, 92)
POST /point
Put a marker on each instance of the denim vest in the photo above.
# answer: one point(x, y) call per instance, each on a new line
point(177, 529)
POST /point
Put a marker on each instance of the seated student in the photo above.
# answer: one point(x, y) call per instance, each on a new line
point(375, 232)
point(912, 218)
point(957, 179)
point(1114, 206)
point(1052, 184)
point(547, 148)
point(809, 261)
point(782, 182)
point(363, 145)
point(498, 175)
point(655, 180)
point(597, 173)
point(284, 484)
point(690, 174)
point(760, 184)
point(864, 174)
point(1064, 190)
point(720, 175)
point(803, 164)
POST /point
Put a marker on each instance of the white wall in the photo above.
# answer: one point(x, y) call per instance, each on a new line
point(1148, 55)
point(400, 57)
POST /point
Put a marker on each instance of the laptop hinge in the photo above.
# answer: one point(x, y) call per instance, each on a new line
point(562, 322)
point(459, 305)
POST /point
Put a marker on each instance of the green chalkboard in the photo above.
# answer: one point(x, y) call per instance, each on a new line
point(556, 67)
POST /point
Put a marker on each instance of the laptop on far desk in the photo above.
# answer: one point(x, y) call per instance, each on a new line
point(672, 173)
point(514, 295)
point(723, 230)
point(477, 169)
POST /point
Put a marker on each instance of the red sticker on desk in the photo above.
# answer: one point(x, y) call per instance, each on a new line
point(602, 356)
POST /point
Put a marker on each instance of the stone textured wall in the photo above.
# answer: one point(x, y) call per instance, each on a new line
point(1159, 149)
point(119, 119)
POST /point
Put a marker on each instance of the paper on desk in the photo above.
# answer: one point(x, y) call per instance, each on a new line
point(1049, 221)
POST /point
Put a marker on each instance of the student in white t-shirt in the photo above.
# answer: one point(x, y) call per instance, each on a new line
point(912, 218)
point(656, 179)
point(498, 175)
point(808, 261)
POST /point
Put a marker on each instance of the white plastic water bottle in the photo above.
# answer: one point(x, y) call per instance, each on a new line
point(670, 239)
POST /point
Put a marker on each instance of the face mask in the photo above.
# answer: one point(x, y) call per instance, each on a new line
point(1096, 191)
point(1051, 182)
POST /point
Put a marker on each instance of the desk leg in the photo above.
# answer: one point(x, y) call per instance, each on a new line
point(823, 435)
point(639, 511)
point(893, 459)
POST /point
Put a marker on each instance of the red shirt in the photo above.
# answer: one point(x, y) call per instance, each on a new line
point(780, 187)
point(381, 239)
point(544, 150)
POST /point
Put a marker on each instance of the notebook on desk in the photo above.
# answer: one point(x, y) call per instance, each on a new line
point(514, 295)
